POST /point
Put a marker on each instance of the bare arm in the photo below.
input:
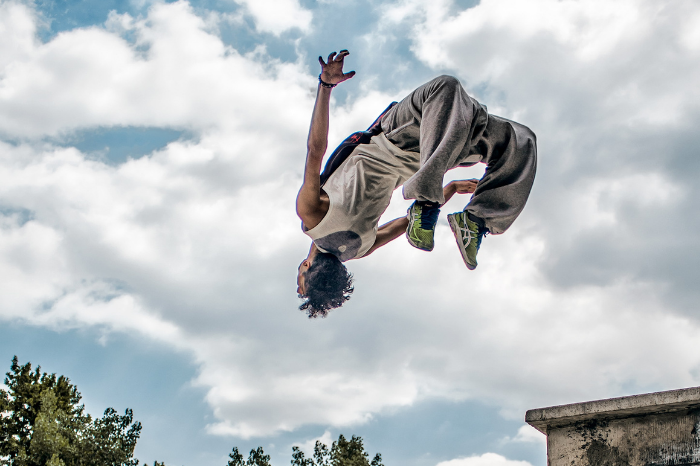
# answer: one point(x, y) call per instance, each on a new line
point(397, 227)
point(388, 233)
point(309, 203)
point(459, 187)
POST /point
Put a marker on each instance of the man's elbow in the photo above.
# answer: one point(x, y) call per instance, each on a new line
point(306, 206)
point(316, 150)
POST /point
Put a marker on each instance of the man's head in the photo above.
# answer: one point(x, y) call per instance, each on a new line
point(324, 282)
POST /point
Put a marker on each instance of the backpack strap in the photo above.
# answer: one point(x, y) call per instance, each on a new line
point(346, 147)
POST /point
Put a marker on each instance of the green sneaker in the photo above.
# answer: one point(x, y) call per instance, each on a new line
point(422, 218)
point(468, 236)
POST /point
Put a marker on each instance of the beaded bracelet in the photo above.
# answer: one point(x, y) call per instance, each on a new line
point(325, 84)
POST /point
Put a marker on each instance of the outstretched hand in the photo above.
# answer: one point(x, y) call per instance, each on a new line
point(465, 186)
point(459, 187)
point(332, 72)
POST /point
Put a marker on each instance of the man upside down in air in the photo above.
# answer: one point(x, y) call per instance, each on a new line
point(413, 143)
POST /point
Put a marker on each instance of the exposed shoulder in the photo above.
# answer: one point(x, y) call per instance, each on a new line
point(312, 211)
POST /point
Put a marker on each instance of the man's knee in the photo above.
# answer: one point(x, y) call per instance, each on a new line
point(444, 85)
point(525, 132)
point(448, 81)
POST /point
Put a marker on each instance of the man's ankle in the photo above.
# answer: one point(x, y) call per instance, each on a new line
point(478, 220)
point(427, 204)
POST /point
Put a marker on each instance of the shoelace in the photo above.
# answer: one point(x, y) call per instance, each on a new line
point(465, 229)
point(470, 234)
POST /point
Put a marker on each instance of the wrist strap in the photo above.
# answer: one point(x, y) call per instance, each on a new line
point(325, 84)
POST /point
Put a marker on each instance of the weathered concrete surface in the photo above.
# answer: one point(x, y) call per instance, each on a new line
point(644, 430)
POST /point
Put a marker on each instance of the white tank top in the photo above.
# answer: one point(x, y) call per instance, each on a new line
point(359, 192)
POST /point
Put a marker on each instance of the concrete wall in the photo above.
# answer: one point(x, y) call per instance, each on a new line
point(645, 430)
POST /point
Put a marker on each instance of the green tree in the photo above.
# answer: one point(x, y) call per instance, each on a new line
point(255, 458)
point(51, 436)
point(349, 453)
point(110, 440)
point(21, 402)
point(342, 452)
point(43, 424)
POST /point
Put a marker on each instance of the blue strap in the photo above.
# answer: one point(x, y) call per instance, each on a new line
point(348, 145)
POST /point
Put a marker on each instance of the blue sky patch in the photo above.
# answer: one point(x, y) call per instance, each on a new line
point(20, 215)
point(116, 145)
point(70, 14)
point(126, 372)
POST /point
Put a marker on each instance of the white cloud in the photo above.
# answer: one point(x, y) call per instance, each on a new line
point(308, 446)
point(690, 31)
point(196, 245)
point(560, 53)
point(90, 76)
point(591, 29)
point(17, 29)
point(487, 459)
point(527, 434)
point(277, 16)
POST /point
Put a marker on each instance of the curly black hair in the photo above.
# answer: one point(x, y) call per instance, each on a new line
point(328, 284)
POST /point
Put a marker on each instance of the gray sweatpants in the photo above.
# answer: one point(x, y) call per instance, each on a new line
point(449, 128)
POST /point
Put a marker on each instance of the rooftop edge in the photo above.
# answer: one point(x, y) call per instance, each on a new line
point(625, 406)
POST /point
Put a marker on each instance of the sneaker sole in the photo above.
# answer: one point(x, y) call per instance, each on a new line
point(454, 226)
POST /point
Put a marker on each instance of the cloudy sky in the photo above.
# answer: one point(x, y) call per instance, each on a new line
point(150, 154)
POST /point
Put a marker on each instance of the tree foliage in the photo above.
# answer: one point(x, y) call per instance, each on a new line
point(43, 424)
point(255, 458)
point(342, 452)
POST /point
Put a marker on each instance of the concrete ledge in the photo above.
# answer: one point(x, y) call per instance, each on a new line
point(543, 419)
point(656, 429)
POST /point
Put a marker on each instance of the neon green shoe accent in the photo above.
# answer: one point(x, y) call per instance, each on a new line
point(421, 226)
point(468, 237)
